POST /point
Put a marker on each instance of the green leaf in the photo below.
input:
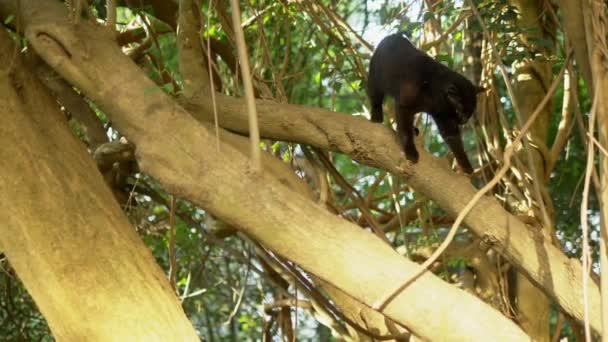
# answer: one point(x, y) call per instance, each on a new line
point(9, 19)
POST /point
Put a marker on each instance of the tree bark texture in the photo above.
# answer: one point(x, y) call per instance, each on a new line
point(526, 248)
point(62, 231)
point(573, 21)
point(598, 49)
point(197, 81)
point(188, 165)
point(532, 79)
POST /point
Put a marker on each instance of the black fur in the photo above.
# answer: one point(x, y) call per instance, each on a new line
point(420, 84)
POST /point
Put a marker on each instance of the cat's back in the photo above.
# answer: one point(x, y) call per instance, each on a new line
point(395, 49)
point(395, 61)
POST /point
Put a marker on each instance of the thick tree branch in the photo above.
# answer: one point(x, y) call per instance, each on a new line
point(375, 145)
point(574, 26)
point(190, 56)
point(73, 102)
point(187, 164)
point(68, 240)
point(192, 61)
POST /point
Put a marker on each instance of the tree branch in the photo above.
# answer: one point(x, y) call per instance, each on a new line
point(63, 232)
point(376, 145)
point(291, 225)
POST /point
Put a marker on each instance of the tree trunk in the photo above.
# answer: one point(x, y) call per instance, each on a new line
point(365, 142)
point(596, 42)
point(63, 232)
point(573, 22)
point(188, 165)
point(532, 79)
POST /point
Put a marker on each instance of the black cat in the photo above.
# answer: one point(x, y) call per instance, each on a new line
point(420, 84)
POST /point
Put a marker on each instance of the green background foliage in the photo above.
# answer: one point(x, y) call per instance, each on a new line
point(222, 284)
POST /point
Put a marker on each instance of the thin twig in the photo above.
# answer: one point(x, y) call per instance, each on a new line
point(239, 301)
point(254, 133)
point(216, 122)
point(317, 296)
point(111, 14)
point(516, 109)
point(565, 125)
point(355, 196)
point(597, 143)
point(584, 219)
point(160, 64)
point(339, 21)
point(295, 309)
point(172, 261)
point(445, 34)
point(558, 327)
point(594, 11)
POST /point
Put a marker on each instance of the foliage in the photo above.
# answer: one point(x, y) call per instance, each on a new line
point(300, 54)
point(19, 317)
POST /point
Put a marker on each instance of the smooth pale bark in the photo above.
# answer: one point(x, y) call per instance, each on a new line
point(362, 315)
point(602, 118)
point(596, 41)
point(75, 104)
point(192, 57)
point(532, 79)
point(188, 165)
point(573, 22)
point(63, 232)
point(368, 143)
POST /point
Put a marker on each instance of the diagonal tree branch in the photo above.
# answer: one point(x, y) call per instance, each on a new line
point(533, 254)
point(69, 241)
point(190, 54)
point(374, 145)
point(187, 165)
point(365, 142)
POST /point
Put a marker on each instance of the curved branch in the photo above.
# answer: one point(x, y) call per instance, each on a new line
point(291, 225)
point(375, 145)
point(64, 234)
point(368, 143)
